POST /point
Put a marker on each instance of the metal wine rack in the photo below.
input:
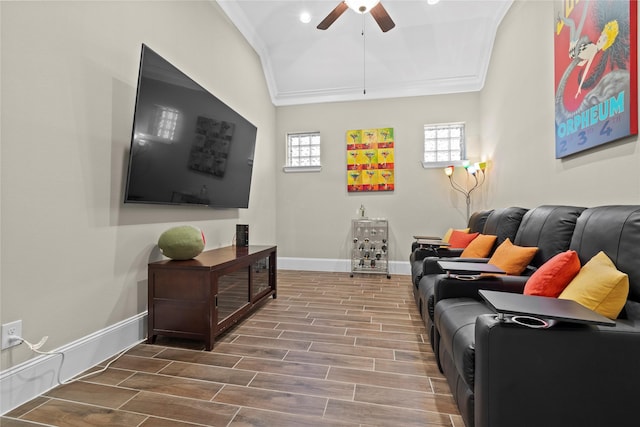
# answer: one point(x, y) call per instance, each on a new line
point(370, 247)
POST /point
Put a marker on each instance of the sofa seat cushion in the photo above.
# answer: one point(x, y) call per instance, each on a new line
point(455, 320)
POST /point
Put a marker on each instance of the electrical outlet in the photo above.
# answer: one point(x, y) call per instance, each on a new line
point(11, 329)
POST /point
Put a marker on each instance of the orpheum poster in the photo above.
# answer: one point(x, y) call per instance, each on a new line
point(370, 161)
point(595, 73)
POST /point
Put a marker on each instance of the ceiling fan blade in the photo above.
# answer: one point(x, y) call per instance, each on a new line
point(383, 19)
point(331, 17)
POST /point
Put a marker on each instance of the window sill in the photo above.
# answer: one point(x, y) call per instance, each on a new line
point(436, 165)
point(296, 169)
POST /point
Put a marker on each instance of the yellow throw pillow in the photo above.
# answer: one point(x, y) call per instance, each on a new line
point(480, 247)
point(511, 258)
point(450, 231)
point(599, 286)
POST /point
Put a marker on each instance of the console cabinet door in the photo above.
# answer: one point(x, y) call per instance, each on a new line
point(260, 278)
point(233, 292)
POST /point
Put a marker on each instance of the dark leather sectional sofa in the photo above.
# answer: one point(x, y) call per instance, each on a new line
point(506, 375)
point(503, 223)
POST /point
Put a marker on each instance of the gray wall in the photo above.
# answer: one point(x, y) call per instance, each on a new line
point(315, 209)
point(74, 258)
point(517, 115)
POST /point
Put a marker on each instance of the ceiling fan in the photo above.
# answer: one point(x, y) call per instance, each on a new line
point(378, 12)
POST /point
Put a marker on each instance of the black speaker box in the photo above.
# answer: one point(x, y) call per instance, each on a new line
point(242, 235)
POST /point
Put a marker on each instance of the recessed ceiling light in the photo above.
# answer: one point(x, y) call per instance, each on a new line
point(305, 17)
point(432, 2)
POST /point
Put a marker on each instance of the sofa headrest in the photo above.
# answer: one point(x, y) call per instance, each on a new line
point(549, 228)
point(504, 223)
point(477, 221)
point(616, 231)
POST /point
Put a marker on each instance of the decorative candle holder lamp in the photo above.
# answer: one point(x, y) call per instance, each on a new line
point(476, 172)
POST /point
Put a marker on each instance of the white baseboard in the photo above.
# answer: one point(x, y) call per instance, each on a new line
point(334, 265)
point(36, 376)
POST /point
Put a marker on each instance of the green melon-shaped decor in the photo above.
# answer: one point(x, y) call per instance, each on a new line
point(182, 242)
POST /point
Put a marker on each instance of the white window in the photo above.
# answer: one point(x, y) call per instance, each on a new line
point(303, 152)
point(443, 145)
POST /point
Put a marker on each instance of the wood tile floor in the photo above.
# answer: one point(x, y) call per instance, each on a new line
point(331, 350)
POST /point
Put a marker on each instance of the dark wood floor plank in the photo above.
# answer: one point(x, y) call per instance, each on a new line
point(136, 363)
point(66, 413)
point(318, 329)
point(195, 389)
point(273, 343)
point(423, 368)
point(292, 403)
point(209, 373)
point(198, 357)
point(181, 409)
point(349, 350)
point(330, 359)
point(162, 422)
point(26, 407)
point(284, 367)
point(401, 381)
point(93, 394)
point(250, 350)
point(301, 385)
point(250, 417)
point(406, 399)
point(13, 422)
point(381, 415)
point(326, 338)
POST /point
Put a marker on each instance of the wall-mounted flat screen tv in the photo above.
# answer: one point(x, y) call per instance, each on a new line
point(187, 146)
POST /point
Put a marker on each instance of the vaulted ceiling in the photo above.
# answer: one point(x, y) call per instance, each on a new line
point(433, 49)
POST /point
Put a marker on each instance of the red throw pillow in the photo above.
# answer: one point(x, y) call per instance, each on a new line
point(459, 240)
point(554, 275)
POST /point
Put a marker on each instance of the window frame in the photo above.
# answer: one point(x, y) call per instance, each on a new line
point(288, 167)
point(463, 148)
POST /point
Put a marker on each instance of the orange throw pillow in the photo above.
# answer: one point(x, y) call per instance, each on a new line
point(480, 247)
point(511, 258)
point(461, 240)
point(554, 275)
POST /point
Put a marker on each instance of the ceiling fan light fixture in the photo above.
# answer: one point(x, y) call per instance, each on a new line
point(361, 6)
point(305, 17)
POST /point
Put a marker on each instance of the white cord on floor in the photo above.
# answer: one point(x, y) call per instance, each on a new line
point(36, 348)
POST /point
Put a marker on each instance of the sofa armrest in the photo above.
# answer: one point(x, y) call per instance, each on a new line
point(569, 374)
point(452, 287)
point(430, 264)
point(421, 253)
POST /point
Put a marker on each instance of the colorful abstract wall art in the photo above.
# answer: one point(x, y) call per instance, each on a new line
point(596, 78)
point(370, 160)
